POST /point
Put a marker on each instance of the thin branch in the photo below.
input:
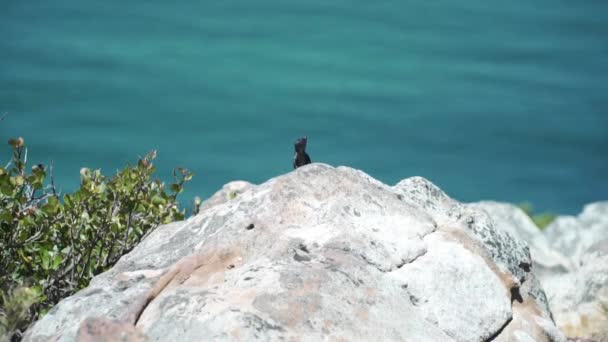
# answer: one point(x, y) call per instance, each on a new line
point(114, 239)
point(3, 116)
point(69, 257)
point(129, 218)
point(52, 179)
point(105, 227)
point(33, 202)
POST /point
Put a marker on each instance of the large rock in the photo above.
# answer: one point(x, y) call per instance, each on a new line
point(515, 221)
point(571, 259)
point(320, 253)
point(579, 298)
point(573, 236)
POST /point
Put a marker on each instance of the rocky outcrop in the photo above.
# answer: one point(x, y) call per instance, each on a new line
point(320, 253)
point(571, 260)
point(575, 237)
point(513, 220)
point(579, 298)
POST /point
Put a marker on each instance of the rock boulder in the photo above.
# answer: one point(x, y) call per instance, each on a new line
point(320, 253)
point(579, 298)
point(570, 258)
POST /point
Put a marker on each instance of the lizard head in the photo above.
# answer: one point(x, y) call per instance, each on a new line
point(300, 144)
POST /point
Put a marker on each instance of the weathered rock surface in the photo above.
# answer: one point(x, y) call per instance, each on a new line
point(101, 329)
point(571, 260)
point(320, 253)
point(579, 298)
point(512, 219)
point(574, 236)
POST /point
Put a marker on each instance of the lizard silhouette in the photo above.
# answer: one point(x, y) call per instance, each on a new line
point(301, 157)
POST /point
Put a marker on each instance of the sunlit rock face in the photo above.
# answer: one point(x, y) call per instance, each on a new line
point(320, 253)
point(580, 297)
point(570, 258)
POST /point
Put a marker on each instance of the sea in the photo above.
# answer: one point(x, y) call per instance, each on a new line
point(490, 100)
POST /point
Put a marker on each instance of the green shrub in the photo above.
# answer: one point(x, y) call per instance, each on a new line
point(54, 244)
point(541, 220)
point(16, 311)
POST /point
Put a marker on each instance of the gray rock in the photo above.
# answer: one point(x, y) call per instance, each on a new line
point(450, 213)
point(228, 192)
point(517, 223)
point(579, 299)
point(104, 330)
point(572, 236)
point(571, 260)
point(320, 253)
point(453, 288)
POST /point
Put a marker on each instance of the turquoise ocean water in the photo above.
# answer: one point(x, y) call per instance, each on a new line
point(489, 100)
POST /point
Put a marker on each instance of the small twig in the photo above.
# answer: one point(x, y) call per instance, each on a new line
point(114, 239)
point(33, 202)
point(129, 218)
point(52, 179)
point(105, 226)
point(70, 255)
point(33, 238)
point(3, 116)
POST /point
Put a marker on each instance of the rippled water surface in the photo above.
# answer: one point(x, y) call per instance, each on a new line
point(490, 100)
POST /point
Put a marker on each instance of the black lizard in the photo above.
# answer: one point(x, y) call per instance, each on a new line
point(301, 157)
